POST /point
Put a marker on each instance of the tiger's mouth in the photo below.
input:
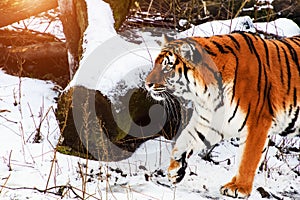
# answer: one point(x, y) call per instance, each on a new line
point(157, 92)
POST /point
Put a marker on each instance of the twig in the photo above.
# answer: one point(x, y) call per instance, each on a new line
point(129, 188)
point(9, 163)
point(48, 190)
point(241, 8)
point(5, 183)
point(150, 5)
point(51, 169)
point(8, 120)
point(82, 179)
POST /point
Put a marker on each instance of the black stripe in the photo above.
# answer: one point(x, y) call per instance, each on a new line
point(253, 50)
point(283, 104)
point(265, 95)
point(195, 83)
point(291, 126)
point(267, 51)
point(235, 71)
point(291, 109)
point(231, 50)
point(295, 97)
point(167, 56)
point(177, 61)
point(211, 128)
point(296, 41)
point(192, 135)
point(197, 55)
point(288, 70)
point(236, 43)
point(220, 47)
point(296, 38)
point(223, 67)
point(271, 111)
point(279, 60)
point(205, 88)
point(179, 70)
point(234, 112)
point(293, 54)
point(246, 118)
point(235, 78)
point(218, 78)
point(204, 119)
point(185, 71)
point(199, 114)
point(203, 139)
point(209, 51)
point(249, 42)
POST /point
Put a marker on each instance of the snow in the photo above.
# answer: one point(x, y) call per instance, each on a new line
point(41, 24)
point(100, 27)
point(27, 106)
point(281, 27)
point(220, 27)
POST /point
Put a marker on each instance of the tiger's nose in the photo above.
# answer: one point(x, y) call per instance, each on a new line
point(149, 85)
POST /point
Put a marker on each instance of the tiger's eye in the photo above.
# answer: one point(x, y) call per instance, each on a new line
point(168, 68)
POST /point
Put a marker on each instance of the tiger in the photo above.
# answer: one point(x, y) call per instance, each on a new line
point(251, 83)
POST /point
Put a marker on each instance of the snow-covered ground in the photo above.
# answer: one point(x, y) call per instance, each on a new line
point(27, 169)
point(30, 168)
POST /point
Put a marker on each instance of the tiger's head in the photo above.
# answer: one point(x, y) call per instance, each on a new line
point(161, 79)
point(178, 70)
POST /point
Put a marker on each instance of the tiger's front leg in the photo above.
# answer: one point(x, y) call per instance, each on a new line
point(182, 150)
point(196, 136)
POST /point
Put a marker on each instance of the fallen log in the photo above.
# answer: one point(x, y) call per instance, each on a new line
point(38, 51)
point(36, 55)
point(90, 126)
point(15, 10)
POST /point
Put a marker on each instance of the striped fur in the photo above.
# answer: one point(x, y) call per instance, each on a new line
point(241, 86)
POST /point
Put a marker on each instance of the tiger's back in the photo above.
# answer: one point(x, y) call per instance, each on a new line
point(263, 76)
point(254, 84)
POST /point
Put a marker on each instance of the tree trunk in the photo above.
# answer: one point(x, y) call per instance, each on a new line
point(15, 10)
point(74, 20)
point(120, 10)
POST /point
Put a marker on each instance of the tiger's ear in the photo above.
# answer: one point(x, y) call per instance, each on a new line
point(190, 52)
point(166, 38)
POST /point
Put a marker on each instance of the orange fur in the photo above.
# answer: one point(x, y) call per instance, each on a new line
point(264, 85)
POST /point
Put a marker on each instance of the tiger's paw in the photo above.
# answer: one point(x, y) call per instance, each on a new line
point(232, 189)
point(176, 171)
point(178, 165)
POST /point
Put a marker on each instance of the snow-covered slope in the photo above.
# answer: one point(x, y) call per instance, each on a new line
point(30, 170)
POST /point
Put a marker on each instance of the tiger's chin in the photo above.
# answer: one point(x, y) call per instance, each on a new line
point(158, 96)
point(157, 91)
